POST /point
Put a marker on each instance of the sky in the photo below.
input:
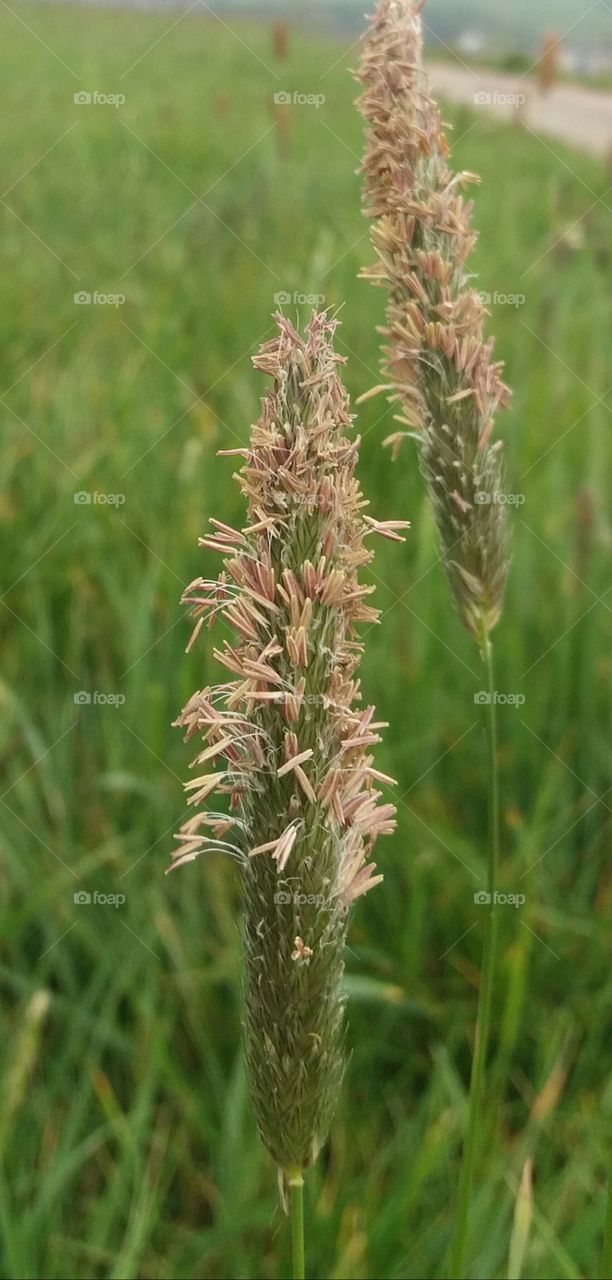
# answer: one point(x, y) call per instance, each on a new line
point(516, 23)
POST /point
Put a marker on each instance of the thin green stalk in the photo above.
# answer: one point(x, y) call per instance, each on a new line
point(606, 1261)
point(486, 987)
point(296, 1200)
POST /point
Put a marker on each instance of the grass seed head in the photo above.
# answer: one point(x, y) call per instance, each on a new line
point(293, 748)
point(436, 362)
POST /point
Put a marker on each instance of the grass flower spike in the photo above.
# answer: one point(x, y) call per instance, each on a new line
point(440, 371)
point(437, 365)
point(294, 751)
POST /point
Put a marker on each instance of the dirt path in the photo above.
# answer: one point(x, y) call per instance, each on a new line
point(580, 117)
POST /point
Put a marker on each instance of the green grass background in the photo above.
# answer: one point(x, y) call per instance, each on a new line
point(127, 1139)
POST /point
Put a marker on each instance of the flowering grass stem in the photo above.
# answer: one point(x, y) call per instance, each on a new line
point(483, 1018)
point(296, 1205)
point(289, 740)
point(606, 1261)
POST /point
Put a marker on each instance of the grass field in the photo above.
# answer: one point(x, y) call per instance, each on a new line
point(128, 1144)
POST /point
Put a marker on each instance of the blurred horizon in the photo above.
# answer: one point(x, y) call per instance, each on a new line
point(477, 28)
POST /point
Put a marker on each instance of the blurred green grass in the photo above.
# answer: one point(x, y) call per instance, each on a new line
point(128, 1143)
